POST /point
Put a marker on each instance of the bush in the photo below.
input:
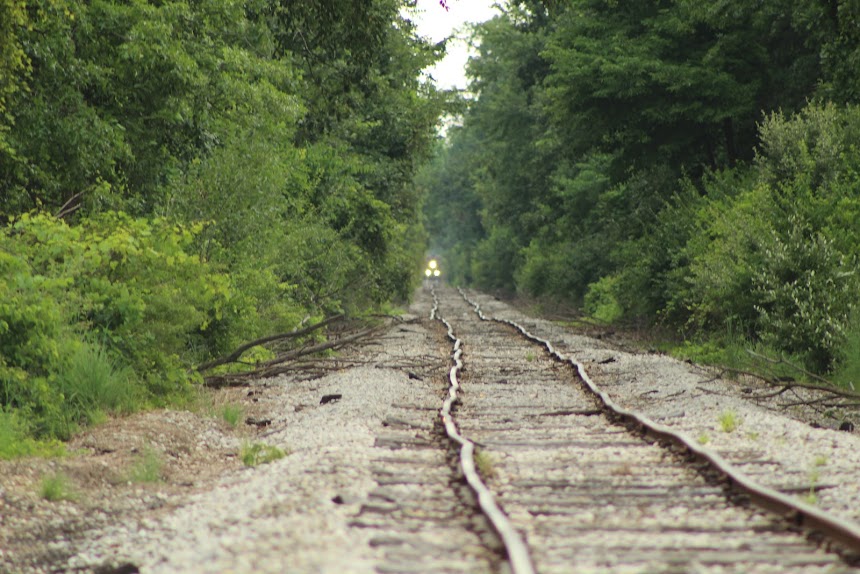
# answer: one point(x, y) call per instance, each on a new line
point(100, 317)
point(806, 291)
point(253, 454)
point(777, 257)
point(601, 301)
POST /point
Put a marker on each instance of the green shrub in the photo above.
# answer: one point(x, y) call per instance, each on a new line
point(15, 440)
point(723, 255)
point(806, 292)
point(729, 421)
point(92, 384)
point(601, 301)
point(847, 368)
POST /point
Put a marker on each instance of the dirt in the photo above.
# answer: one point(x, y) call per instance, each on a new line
point(128, 469)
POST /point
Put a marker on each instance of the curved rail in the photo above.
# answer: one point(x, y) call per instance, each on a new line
point(845, 533)
point(515, 547)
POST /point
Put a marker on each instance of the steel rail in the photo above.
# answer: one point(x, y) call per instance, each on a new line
point(845, 533)
point(515, 548)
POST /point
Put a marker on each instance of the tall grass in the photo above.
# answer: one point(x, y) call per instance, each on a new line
point(93, 384)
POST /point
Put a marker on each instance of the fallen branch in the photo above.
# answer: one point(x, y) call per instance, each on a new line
point(318, 348)
point(277, 365)
point(827, 385)
point(234, 356)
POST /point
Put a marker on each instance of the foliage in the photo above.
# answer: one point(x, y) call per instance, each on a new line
point(100, 317)
point(847, 371)
point(601, 301)
point(669, 162)
point(777, 258)
point(260, 453)
point(484, 463)
point(221, 171)
point(15, 440)
point(729, 421)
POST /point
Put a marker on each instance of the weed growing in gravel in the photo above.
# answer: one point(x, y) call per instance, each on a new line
point(260, 453)
point(484, 464)
point(752, 435)
point(56, 487)
point(814, 477)
point(232, 414)
point(703, 439)
point(530, 356)
point(729, 421)
point(147, 468)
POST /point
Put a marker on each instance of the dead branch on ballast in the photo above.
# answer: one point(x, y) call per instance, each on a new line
point(234, 356)
point(283, 363)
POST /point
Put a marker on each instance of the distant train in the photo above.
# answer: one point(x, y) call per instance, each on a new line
point(432, 269)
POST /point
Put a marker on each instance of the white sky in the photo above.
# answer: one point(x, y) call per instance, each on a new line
point(435, 23)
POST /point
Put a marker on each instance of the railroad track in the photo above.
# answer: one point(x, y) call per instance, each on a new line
point(570, 483)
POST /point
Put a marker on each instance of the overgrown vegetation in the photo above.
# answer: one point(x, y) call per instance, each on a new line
point(693, 166)
point(179, 178)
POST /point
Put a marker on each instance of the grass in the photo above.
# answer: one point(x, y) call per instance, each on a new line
point(729, 421)
point(253, 454)
point(485, 465)
point(232, 414)
point(530, 356)
point(814, 476)
point(15, 442)
point(147, 468)
point(93, 384)
point(55, 487)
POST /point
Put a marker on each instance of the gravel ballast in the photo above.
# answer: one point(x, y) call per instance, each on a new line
point(344, 498)
point(778, 447)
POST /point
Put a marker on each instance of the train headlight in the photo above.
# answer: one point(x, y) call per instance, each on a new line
point(436, 273)
point(428, 272)
point(432, 264)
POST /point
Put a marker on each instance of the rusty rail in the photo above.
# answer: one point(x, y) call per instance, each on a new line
point(515, 548)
